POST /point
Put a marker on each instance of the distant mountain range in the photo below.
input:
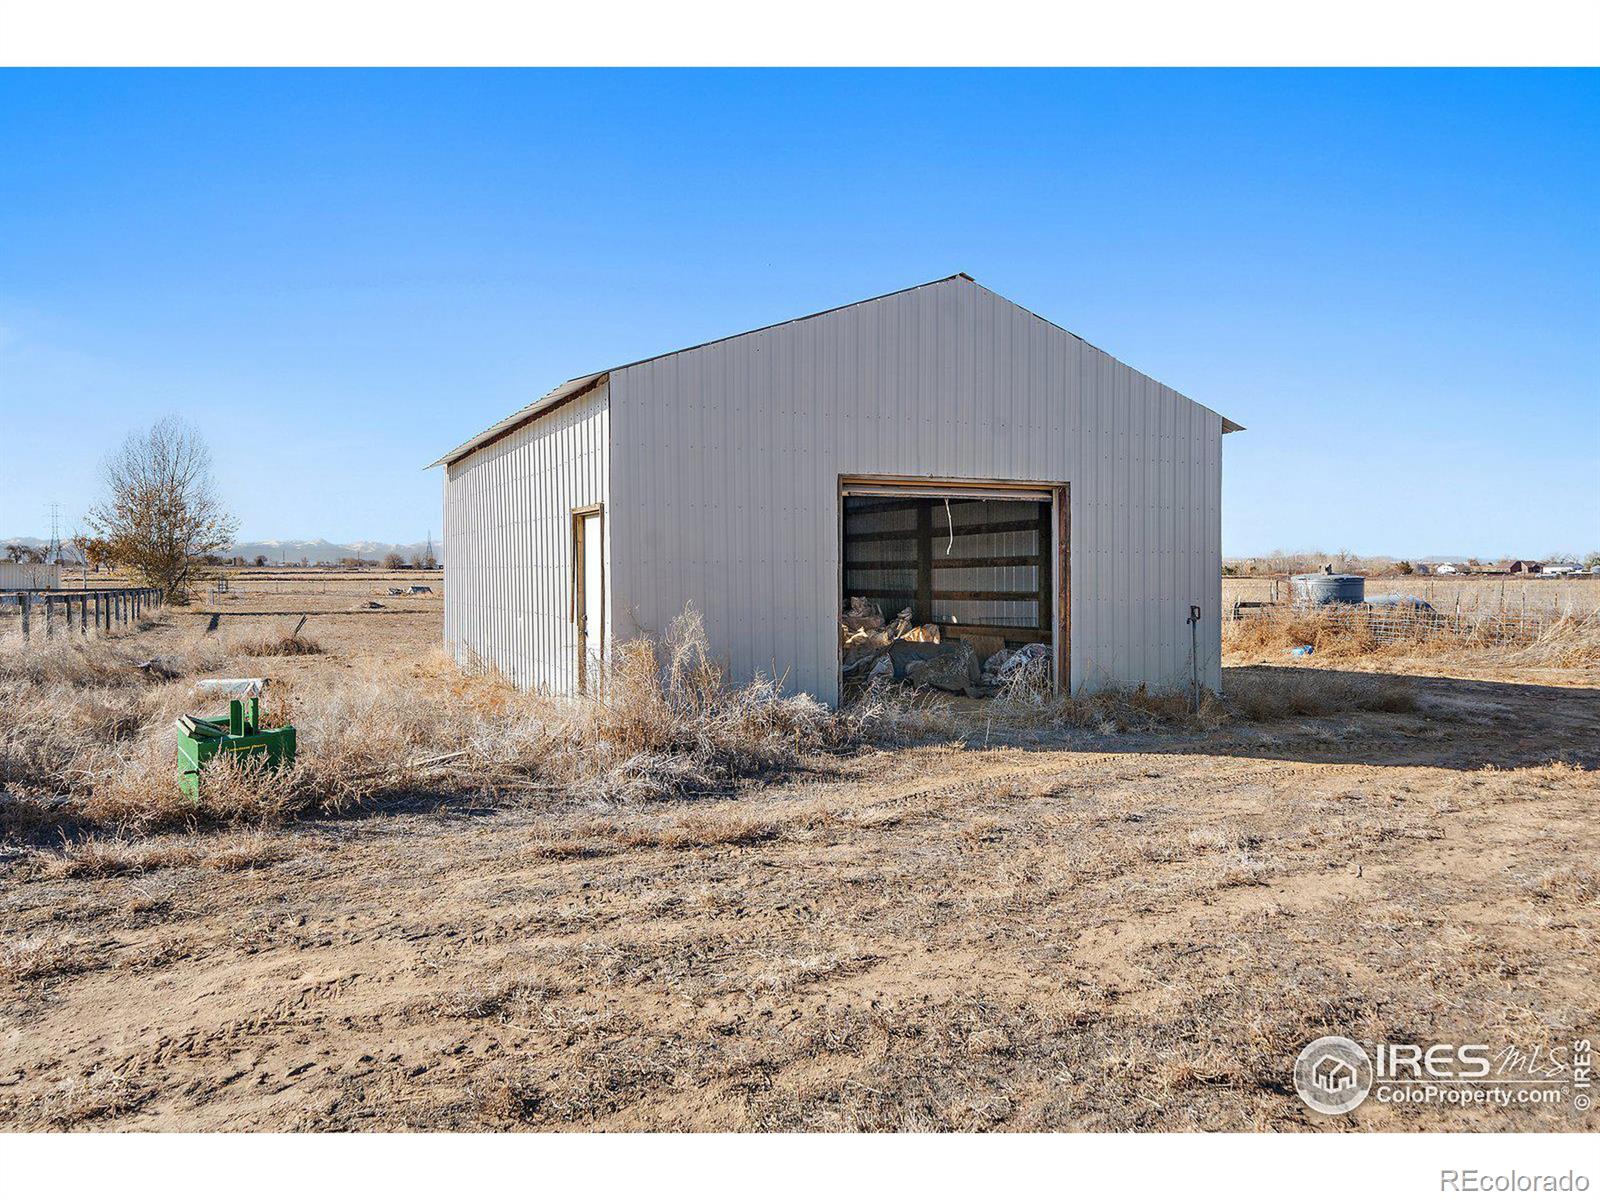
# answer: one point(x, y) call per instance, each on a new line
point(317, 550)
point(320, 550)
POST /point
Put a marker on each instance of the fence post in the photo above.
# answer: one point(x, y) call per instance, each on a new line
point(49, 616)
point(97, 612)
point(83, 614)
point(27, 612)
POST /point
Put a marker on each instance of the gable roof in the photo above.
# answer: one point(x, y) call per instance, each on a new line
point(580, 384)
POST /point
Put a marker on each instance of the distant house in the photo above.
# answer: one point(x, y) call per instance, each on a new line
point(1447, 569)
point(1560, 568)
point(1519, 566)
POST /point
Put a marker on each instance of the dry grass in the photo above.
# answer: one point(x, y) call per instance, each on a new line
point(73, 710)
point(1265, 695)
point(104, 858)
point(98, 857)
point(1575, 885)
point(38, 958)
point(1250, 694)
point(104, 1095)
point(90, 721)
point(86, 721)
point(1569, 642)
point(1029, 699)
point(1343, 636)
point(698, 829)
point(271, 645)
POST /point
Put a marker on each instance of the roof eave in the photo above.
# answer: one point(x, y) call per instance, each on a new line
point(554, 398)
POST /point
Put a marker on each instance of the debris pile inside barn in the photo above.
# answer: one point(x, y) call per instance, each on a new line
point(917, 656)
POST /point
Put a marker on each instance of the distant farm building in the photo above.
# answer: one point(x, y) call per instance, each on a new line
point(938, 449)
point(1447, 569)
point(1519, 566)
point(26, 577)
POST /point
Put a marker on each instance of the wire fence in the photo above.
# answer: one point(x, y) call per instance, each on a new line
point(1411, 623)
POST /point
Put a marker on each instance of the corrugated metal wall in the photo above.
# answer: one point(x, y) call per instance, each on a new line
point(508, 542)
point(24, 577)
point(727, 459)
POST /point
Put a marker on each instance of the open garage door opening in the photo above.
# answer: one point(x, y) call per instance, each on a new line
point(953, 586)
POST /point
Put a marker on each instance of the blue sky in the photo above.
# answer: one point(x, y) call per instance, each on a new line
point(1392, 278)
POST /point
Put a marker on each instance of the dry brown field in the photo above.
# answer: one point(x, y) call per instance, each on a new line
point(256, 590)
point(1103, 916)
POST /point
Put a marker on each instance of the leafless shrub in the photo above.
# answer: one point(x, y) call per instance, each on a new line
point(161, 514)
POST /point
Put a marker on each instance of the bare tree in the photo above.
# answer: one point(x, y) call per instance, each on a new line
point(161, 517)
point(393, 560)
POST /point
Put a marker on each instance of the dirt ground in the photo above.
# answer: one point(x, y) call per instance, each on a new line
point(1072, 930)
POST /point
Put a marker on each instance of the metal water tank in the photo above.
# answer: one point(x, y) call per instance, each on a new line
point(1329, 589)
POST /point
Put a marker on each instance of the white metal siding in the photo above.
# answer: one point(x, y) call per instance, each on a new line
point(508, 542)
point(728, 459)
point(23, 577)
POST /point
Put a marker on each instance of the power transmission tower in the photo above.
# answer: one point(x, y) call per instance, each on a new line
point(52, 553)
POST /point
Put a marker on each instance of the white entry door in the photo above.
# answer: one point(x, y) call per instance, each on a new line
point(589, 607)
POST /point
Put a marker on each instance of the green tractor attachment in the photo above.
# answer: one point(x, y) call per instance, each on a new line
point(240, 732)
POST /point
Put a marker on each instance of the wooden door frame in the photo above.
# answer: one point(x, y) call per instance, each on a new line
point(1061, 504)
point(1058, 494)
point(579, 548)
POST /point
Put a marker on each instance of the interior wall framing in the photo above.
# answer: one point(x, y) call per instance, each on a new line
point(976, 558)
